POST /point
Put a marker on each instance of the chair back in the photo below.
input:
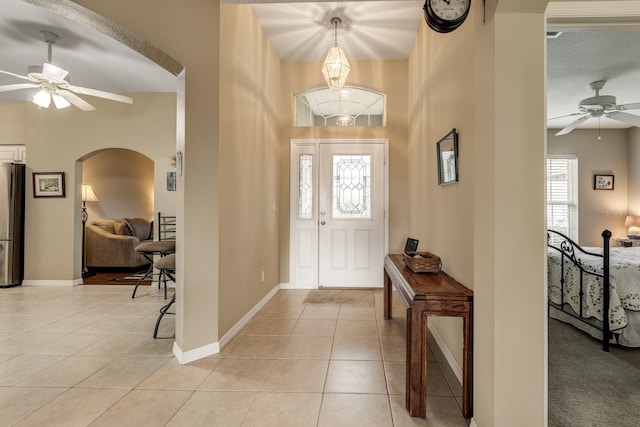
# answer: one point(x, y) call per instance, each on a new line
point(166, 227)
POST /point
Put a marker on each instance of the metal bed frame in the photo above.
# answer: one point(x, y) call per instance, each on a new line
point(568, 250)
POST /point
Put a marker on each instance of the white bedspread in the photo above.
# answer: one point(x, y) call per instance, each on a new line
point(624, 273)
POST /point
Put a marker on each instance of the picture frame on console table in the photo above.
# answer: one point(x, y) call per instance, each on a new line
point(48, 184)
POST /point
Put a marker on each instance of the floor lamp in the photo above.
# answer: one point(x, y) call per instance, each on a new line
point(87, 196)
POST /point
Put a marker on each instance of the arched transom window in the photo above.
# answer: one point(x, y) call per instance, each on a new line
point(351, 106)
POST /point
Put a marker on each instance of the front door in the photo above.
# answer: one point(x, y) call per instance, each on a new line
point(351, 215)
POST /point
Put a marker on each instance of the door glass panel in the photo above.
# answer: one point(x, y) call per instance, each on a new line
point(351, 189)
point(305, 190)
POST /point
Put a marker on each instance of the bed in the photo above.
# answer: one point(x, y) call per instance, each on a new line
point(576, 279)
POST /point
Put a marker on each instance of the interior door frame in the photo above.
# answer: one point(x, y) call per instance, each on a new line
point(301, 146)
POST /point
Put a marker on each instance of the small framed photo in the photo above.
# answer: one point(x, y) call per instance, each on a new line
point(411, 245)
point(447, 149)
point(603, 182)
point(171, 181)
point(48, 184)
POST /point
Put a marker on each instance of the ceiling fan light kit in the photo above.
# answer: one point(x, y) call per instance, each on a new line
point(54, 84)
point(599, 106)
point(335, 68)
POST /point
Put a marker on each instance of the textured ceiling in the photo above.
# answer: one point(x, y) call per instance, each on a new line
point(577, 58)
point(93, 59)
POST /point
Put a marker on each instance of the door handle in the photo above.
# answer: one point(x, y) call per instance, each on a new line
point(322, 223)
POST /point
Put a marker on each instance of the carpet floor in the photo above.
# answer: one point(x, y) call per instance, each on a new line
point(588, 387)
point(339, 297)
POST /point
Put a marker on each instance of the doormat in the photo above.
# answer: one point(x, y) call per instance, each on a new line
point(339, 296)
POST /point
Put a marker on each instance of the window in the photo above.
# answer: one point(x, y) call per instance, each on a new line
point(562, 195)
point(351, 106)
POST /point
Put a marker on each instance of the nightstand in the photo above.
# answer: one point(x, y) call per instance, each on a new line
point(627, 243)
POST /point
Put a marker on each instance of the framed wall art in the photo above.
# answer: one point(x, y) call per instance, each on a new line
point(48, 184)
point(171, 181)
point(603, 182)
point(447, 149)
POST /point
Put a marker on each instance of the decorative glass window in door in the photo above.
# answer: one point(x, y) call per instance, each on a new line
point(305, 186)
point(351, 192)
point(351, 106)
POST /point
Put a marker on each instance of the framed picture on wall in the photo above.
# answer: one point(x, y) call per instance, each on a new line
point(48, 184)
point(603, 182)
point(171, 181)
point(447, 149)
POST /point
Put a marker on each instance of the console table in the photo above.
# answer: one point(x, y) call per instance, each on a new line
point(424, 295)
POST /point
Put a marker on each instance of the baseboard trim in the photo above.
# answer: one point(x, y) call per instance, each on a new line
point(457, 370)
point(214, 348)
point(189, 356)
point(74, 282)
point(297, 286)
point(247, 317)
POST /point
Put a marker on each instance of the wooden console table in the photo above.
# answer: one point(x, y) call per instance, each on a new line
point(429, 294)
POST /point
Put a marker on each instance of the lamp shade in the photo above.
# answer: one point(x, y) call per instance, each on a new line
point(87, 194)
point(632, 221)
point(633, 226)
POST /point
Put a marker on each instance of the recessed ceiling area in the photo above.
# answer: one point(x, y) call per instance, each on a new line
point(371, 30)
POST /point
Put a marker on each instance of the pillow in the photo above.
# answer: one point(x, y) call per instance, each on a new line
point(127, 225)
point(106, 225)
point(140, 227)
point(121, 228)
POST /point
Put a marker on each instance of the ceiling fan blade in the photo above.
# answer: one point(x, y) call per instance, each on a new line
point(100, 94)
point(574, 124)
point(625, 118)
point(633, 106)
point(53, 72)
point(9, 88)
point(566, 115)
point(15, 75)
point(76, 100)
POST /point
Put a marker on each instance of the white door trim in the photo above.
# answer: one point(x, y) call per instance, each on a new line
point(299, 146)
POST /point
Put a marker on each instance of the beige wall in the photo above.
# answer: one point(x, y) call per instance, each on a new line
point(388, 77)
point(598, 209)
point(249, 188)
point(480, 81)
point(13, 123)
point(633, 168)
point(56, 140)
point(123, 183)
point(188, 31)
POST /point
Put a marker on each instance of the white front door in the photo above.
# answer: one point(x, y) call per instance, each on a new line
point(351, 215)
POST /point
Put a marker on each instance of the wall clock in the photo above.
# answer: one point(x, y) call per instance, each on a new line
point(445, 16)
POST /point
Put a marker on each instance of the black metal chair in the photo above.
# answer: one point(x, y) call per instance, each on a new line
point(166, 265)
point(165, 245)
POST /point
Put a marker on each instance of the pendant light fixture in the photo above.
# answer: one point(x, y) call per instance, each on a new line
point(336, 67)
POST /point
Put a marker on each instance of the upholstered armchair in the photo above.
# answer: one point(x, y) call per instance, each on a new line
point(110, 243)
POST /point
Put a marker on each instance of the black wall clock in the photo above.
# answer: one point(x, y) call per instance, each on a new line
point(445, 16)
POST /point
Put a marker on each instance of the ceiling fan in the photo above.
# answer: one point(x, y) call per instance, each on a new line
point(598, 106)
point(54, 85)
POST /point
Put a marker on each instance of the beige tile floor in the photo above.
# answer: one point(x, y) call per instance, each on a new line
point(84, 356)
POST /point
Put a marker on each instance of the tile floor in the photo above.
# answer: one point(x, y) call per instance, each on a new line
point(84, 356)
